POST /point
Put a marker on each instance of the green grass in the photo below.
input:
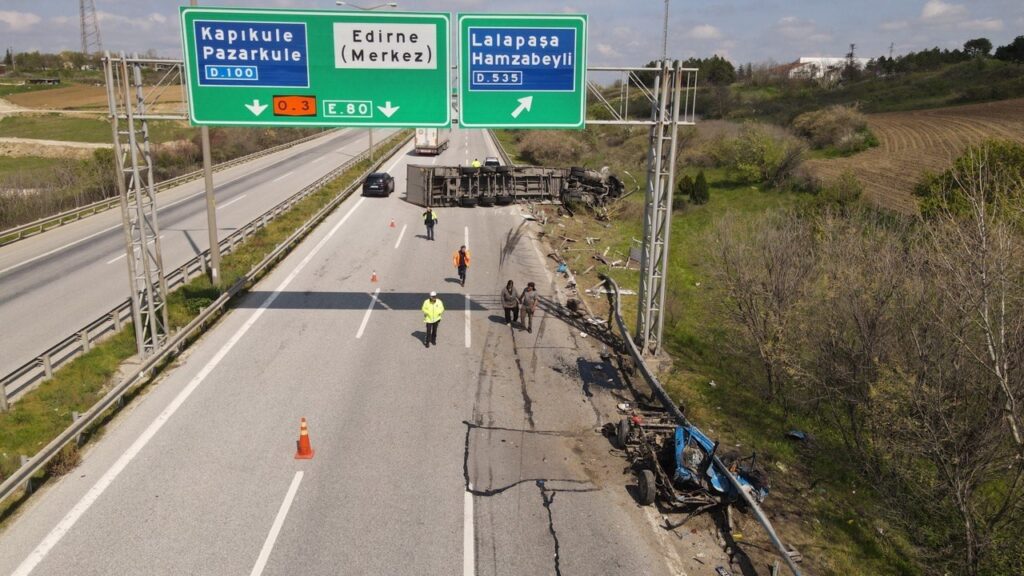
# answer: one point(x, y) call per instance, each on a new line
point(13, 164)
point(78, 129)
point(43, 413)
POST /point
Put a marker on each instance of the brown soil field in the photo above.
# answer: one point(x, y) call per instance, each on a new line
point(87, 96)
point(913, 142)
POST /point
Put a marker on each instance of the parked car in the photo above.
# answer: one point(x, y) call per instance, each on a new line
point(379, 184)
point(492, 161)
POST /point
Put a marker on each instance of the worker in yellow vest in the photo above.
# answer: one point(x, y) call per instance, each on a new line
point(476, 163)
point(432, 310)
point(461, 261)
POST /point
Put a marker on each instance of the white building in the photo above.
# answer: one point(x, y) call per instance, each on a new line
point(817, 68)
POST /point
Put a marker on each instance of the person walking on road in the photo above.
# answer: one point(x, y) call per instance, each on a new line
point(529, 302)
point(510, 302)
point(461, 261)
point(429, 219)
point(432, 310)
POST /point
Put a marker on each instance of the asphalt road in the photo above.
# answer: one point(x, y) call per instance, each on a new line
point(476, 456)
point(57, 282)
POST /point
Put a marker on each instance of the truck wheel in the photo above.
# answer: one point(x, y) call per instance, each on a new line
point(646, 488)
point(468, 202)
point(622, 433)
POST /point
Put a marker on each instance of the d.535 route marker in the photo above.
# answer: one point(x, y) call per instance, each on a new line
point(522, 70)
point(316, 68)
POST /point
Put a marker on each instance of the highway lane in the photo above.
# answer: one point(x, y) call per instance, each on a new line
point(477, 456)
point(57, 282)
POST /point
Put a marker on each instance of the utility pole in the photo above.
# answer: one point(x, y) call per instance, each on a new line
point(664, 35)
point(90, 27)
point(211, 203)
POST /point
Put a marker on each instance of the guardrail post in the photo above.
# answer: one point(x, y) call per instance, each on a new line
point(28, 481)
point(84, 335)
point(115, 317)
point(47, 365)
point(78, 437)
point(4, 405)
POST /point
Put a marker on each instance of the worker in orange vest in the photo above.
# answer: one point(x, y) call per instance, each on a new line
point(461, 261)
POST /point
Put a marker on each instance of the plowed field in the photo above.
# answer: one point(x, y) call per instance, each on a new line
point(89, 97)
point(912, 142)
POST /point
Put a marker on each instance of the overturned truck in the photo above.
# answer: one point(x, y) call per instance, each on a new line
point(503, 185)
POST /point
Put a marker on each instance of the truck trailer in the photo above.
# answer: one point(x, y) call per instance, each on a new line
point(431, 141)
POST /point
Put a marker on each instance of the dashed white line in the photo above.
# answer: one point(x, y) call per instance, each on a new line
point(116, 258)
point(275, 529)
point(468, 536)
point(469, 339)
point(232, 201)
point(283, 176)
point(465, 241)
point(395, 163)
point(317, 159)
point(39, 553)
point(400, 235)
point(366, 317)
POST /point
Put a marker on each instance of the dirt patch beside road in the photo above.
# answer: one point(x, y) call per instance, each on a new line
point(48, 148)
point(913, 142)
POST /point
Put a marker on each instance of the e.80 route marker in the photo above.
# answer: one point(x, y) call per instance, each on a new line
point(522, 70)
point(316, 68)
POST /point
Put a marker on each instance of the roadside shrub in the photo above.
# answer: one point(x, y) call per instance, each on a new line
point(545, 147)
point(65, 461)
point(759, 154)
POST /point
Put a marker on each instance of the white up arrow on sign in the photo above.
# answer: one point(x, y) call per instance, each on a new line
point(524, 104)
point(256, 108)
point(387, 109)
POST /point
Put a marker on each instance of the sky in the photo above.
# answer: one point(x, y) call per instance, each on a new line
point(622, 32)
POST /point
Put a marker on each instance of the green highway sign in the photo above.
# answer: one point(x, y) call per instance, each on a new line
point(522, 70)
point(316, 68)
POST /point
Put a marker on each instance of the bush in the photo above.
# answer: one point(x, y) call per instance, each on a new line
point(997, 164)
point(700, 194)
point(545, 147)
point(831, 126)
point(759, 154)
point(843, 191)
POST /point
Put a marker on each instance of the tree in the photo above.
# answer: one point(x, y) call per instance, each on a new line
point(699, 193)
point(8, 58)
point(978, 47)
point(685, 186)
point(1012, 52)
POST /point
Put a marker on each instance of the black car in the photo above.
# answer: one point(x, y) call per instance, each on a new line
point(379, 184)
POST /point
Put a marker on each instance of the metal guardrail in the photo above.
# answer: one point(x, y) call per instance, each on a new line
point(24, 474)
point(506, 160)
point(81, 341)
point(677, 414)
point(12, 235)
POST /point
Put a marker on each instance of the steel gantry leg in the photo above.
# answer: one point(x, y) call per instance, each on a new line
point(148, 287)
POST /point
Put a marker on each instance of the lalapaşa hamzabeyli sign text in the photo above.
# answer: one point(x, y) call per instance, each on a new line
point(522, 70)
point(252, 67)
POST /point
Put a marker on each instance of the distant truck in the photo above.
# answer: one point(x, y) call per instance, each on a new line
point(431, 141)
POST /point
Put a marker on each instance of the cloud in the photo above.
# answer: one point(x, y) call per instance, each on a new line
point(985, 24)
point(937, 10)
point(607, 50)
point(145, 23)
point(19, 21)
point(794, 28)
point(705, 32)
point(891, 25)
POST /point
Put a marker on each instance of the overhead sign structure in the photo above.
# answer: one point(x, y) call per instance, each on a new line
point(316, 68)
point(522, 71)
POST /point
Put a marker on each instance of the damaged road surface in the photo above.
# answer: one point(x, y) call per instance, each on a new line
point(480, 455)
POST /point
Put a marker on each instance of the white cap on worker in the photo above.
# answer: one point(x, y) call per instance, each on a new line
point(433, 294)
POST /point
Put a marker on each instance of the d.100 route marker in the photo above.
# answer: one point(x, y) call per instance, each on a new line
point(252, 67)
point(522, 70)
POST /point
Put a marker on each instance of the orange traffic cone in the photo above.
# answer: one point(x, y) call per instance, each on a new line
point(373, 276)
point(392, 225)
point(305, 451)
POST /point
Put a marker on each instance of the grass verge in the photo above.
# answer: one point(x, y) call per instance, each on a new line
point(79, 129)
point(26, 164)
point(43, 413)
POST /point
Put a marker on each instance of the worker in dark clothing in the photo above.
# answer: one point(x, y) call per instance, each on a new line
point(461, 261)
point(432, 310)
point(529, 303)
point(510, 302)
point(429, 220)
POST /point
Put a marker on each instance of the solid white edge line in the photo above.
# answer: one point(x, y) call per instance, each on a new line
point(232, 201)
point(275, 529)
point(90, 497)
point(366, 317)
point(283, 176)
point(468, 325)
point(468, 537)
point(400, 235)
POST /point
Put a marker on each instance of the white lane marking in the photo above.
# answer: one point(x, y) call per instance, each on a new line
point(400, 235)
point(468, 328)
point(465, 241)
point(317, 159)
point(83, 505)
point(395, 163)
point(232, 201)
point(468, 537)
point(366, 317)
point(283, 176)
point(275, 529)
point(116, 258)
